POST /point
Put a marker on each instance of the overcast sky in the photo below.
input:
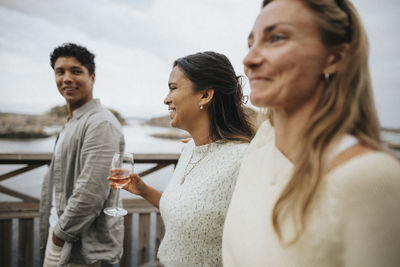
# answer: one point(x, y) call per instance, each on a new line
point(136, 41)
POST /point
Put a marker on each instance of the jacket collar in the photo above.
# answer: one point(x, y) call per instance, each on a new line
point(79, 112)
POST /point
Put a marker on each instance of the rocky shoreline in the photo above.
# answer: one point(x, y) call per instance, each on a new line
point(25, 126)
point(22, 126)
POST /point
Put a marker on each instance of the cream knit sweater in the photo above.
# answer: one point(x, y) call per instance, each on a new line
point(355, 218)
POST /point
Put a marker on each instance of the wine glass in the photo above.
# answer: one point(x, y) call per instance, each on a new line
point(121, 167)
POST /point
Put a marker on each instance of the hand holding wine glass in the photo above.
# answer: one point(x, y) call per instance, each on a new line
point(121, 168)
point(133, 183)
point(119, 177)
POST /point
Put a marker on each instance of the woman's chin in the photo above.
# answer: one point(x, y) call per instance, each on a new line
point(173, 123)
point(258, 101)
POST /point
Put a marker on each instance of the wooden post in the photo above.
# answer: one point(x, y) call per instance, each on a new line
point(6, 242)
point(25, 243)
point(105, 264)
point(143, 239)
point(126, 260)
point(160, 230)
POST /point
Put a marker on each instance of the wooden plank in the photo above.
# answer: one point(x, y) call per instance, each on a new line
point(138, 205)
point(25, 158)
point(143, 246)
point(45, 158)
point(19, 171)
point(11, 210)
point(155, 168)
point(17, 194)
point(126, 260)
point(25, 243)
point(6, 242)
point(160, 231)
point(105, 264)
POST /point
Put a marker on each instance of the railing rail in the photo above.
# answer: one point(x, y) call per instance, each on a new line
point(144, 228)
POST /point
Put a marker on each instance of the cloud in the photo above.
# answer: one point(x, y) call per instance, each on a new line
point(134, 46)
point(135, 43)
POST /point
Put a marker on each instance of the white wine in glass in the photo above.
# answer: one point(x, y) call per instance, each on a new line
point(122, 166)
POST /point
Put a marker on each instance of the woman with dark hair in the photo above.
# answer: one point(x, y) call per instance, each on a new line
point(205, 99)
point(316, 187)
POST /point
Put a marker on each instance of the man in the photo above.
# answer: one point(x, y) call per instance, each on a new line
point(74, 231)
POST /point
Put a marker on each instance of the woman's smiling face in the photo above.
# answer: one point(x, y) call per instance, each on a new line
point(182, 100)
point(286, 56)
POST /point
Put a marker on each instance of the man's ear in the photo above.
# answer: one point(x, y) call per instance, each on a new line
point(206, 97)
point(336, 58)
point(93, 77)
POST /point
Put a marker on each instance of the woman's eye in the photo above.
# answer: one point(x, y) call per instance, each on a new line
point(276, 38)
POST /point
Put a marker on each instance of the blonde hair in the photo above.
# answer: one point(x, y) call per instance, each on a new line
point(346, 106)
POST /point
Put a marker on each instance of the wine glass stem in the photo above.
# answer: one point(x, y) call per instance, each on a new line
point(117, 197)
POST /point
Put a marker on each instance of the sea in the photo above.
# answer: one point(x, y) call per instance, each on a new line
point(138, 139)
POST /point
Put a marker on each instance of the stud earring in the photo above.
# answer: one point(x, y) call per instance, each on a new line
point(327, 75)
point(201, 107)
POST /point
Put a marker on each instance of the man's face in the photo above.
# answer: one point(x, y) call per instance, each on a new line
point(73, 81)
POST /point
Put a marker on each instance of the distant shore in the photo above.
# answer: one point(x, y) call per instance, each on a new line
point(24, 126)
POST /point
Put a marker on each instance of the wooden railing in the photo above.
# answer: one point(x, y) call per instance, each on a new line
point(144, 228)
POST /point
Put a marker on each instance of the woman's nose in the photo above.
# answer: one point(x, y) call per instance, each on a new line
point(167, 100)
point(253, 58)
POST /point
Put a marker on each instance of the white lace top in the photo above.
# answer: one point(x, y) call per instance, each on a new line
point(194, 212)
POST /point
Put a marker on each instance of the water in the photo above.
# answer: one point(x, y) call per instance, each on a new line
point(138, 140)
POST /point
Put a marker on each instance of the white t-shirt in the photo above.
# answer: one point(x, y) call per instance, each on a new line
point(53, 219)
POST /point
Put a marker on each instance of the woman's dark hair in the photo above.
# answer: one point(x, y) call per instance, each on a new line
point(84, 56)
point(210, 70)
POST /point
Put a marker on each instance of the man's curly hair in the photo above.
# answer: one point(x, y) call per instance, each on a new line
point(84, 56)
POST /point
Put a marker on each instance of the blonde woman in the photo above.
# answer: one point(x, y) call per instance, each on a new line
point(315, 186)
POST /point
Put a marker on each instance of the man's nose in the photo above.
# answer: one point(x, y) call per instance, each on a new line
point(67, 78)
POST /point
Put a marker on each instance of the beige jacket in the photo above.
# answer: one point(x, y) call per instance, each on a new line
point(82, 190)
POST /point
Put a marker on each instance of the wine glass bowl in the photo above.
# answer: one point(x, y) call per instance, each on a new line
point(120, 177)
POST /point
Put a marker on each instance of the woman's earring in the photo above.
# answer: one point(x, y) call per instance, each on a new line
point(201, 107)
point(327, 75)
point(245, 99)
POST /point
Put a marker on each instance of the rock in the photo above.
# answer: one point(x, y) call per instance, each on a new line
point(163, 121)
point(174, 134)
point(21, 126)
